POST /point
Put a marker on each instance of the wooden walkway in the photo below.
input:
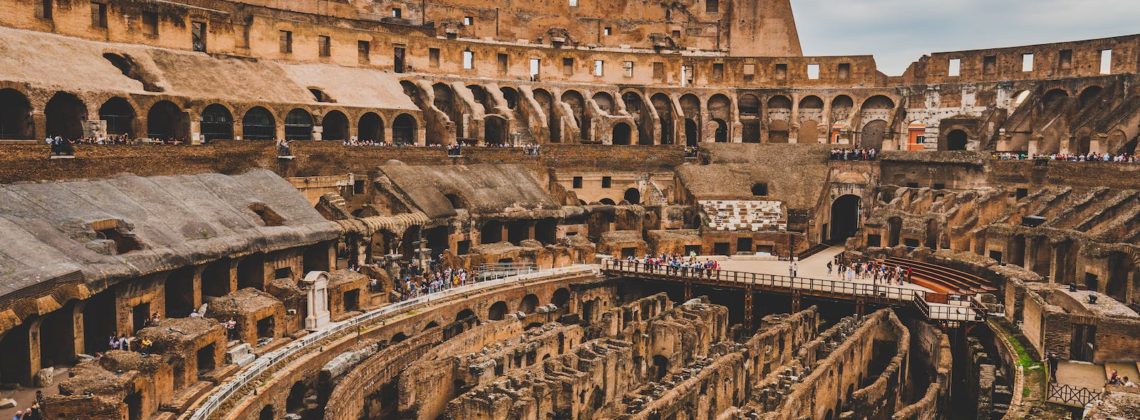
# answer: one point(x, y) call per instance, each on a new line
point(934, 306)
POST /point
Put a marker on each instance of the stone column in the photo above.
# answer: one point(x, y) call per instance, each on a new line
point(794, 122)
point(39, 125)
point(77, 326)
point(194, 131)
point(318, 302)
point(34, 348)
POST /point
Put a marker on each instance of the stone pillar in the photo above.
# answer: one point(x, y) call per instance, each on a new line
point(194, 131)
point(318, 132)
point(318, 301)
point(34, 348)
point(1035, 144)
point(748, 321)
point(77, 326)
point(232, 274)
point(39, 125)
point(794, 122)
point(279, 130)
point(530, 229)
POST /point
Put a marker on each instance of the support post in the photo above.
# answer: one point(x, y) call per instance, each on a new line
point(748, 317)
point(688, 291)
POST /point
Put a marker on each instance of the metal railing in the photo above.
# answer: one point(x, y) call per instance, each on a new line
point(1073, 395)
point(277, 358)
point(881, 292)
point(487, 272)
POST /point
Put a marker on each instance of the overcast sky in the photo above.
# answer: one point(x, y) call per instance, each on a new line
point(898, 32)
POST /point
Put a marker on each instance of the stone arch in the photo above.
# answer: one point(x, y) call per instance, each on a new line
point(479, 93)
point(1054, 97)
point(444, 100)
point(546, 103)
point(641, 116)
point(465, 315)
point(873, 134)
point(370, 127)
point(720, 135)
point(299, 125)
point(957, 139)
point(749, 115)
point(404, 130)
point(165, 120)
point(561, 298)
point(778, 131)
point(529, 304)
point(607, 201)
point(660, 367)
point(295, 401)
point(65, 114)
point(809, 131)
point(334, 126)
point(511, 96)
point(577, 105)
point(266, 413)
point(811, 102)
point(216, 123)
point(258, 124)
point(495, 129)
point(879, 102)
point(664, 107)
point(397, 338)
point(605, 102)
point(621, 134)
point(779, 108)
point(691, 109)
point(841, 107)
point(632, 196)
point(15, 115)
point(119, 115)
point(497, 311)
point(1088, 95)
point(845, 211)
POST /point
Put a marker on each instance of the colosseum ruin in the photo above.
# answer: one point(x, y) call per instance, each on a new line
point(567, 209)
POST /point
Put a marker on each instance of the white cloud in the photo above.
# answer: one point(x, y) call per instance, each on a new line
point(898, 32)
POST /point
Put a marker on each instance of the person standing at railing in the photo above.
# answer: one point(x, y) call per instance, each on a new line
point(1053, 362)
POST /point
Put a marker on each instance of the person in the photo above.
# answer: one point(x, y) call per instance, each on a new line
point(1053, 362)
point(39, 396)
point(19, 415)
point(1128, 382)
point(1114, 378)
point(829, 268)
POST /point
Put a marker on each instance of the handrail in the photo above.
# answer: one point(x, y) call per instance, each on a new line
point(283, 355)
point(1069, 395)
point(896, 294)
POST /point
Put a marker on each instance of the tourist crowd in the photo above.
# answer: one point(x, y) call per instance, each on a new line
point(875, 271)
point(670, 264)
point(415, 281)
point(34, 412)
point(1087, 157)
point(1116, 379)
point(854, 154)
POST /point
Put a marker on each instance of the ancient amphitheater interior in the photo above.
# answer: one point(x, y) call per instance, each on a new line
point(566, 209)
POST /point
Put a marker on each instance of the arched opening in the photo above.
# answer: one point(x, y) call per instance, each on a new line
point(164, 121)
point(660, 367)
point(217, 123)
point(721, 134)
point(636, 109)
point(1089, 95)
point(633, 196)
point(622, 133)
point(1054, 97)
point(760, 189)
point(553, 123)
point(664, 107)
point(692, 136)
point(511, 96)
point(844, 218)
point(266, 413)
point(956, 140)
point(298, 125)
point(577, 106)
point(445, 101)
point(749, 106)
point(258, 124)
point(15, 115)
point(57, 345)
point(561, 299)
point(529, 304)
point(873, 135)
point(465, 315)
point(498, 311)
point(334, 126)
point(65, 114)
point(397, 338)
point(894, 231)
point(404, 130)
point(295, 402)
point(607, 201)
point(370, 127)
point(495, 130)
point(605, 102)
point(932, 232)
point(431, 325)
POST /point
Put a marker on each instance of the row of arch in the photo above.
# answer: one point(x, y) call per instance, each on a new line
point(65, 115)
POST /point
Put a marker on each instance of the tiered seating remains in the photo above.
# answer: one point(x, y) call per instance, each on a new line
point(937, 277)
point(738, 215)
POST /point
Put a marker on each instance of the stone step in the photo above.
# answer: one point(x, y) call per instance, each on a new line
point(240, 355)
point(186, 396)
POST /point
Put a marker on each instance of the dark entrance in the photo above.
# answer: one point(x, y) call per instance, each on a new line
point(334, 126)
point(370, 128)
point(65, 114)
point(164, 121)
point(298, 125)
point(404, 130)
point(691, 134)
point(15, 115)
point(258, 124)
point(217, 123)
point(622, 134)
point(956, 140)
point(119, 115)
point(721, 131)
point(633, 196)
point(844, 218)
point(743, 245)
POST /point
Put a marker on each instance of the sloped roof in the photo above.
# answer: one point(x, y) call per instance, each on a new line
point(484, 189)
point(49, 228)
